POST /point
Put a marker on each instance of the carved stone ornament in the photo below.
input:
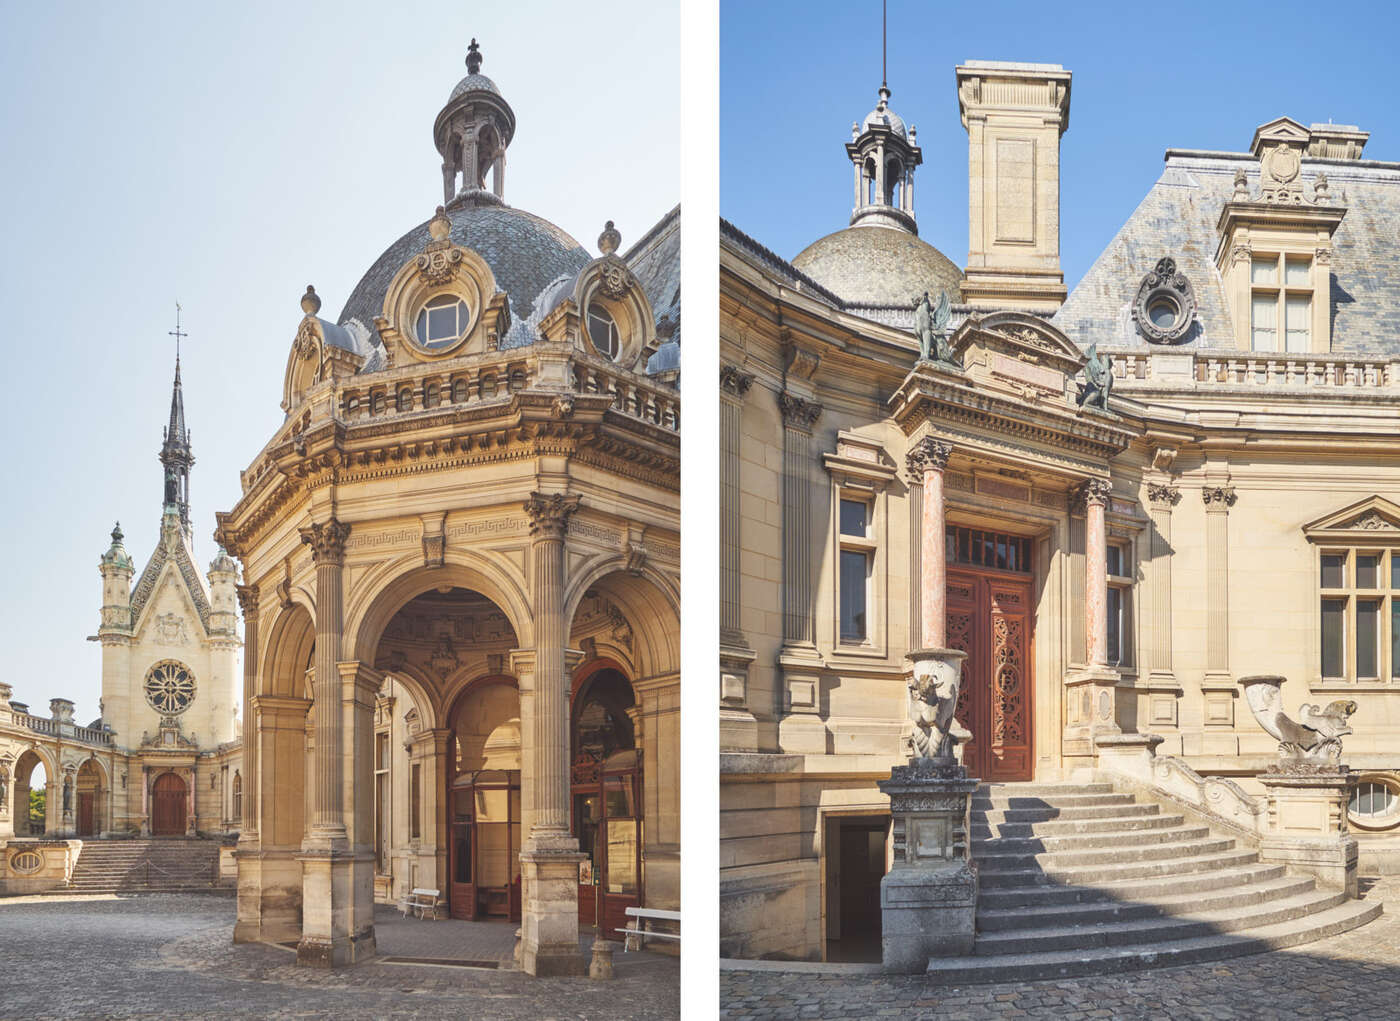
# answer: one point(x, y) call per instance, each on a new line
point(1096, 491)
point(1314, 739)
point(1165, 306)
point(549, 513)
point(248, 600)
point(928, 453)
point(1098, 380)
point(306, 342)
point(171, 630)
point(933, 698)
point(797, 412)
point(1163, 496)
point(327, 541)
point(614, 279)
point(1218, 497)
point(1374, 522)
point(733, 380)
point(440, 258)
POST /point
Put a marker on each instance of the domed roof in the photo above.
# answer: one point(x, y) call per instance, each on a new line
point(474, 83)
point(879, 266)
point(883, 116)
point(525, 252)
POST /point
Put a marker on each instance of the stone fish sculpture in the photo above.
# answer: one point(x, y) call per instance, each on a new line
point(1315, 738)
point(933, 699)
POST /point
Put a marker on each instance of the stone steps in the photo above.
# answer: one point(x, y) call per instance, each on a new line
point(175, 865)
point(1082, 880)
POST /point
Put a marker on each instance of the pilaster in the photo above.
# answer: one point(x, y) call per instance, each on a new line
point(1164, 689)
point(1091, 693)
point(737, 724)
point(800, 728)
point(1218, 684)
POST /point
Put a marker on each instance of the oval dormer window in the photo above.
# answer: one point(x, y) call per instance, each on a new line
point(603, 332)
point(442, 321)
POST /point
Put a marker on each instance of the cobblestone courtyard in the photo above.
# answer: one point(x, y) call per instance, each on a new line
point(1351, 976)
point(171, 956)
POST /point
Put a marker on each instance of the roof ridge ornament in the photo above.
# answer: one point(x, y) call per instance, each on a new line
point(609, 240)
point(473, 58)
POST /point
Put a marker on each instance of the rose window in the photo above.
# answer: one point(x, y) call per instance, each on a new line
point(169, 687)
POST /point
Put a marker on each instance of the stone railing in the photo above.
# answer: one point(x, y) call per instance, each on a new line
point(44, 725)
point(658, 405)
point(1249, 369)
point(483, 378)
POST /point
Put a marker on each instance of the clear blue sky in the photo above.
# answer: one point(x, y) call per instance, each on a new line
point(794, 74)
point(226, 156)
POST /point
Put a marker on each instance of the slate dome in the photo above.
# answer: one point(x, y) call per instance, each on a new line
point(879, 266)
point(525, 252)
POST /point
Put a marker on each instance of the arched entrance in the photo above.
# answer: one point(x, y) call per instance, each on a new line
point(89, 786)
point(607, 804)
point(168, 796)
point(30, 813)
point(483, 796)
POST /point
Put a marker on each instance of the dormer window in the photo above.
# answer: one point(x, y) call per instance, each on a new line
point(442, 321)
point(1281, 316)
point(603, 332)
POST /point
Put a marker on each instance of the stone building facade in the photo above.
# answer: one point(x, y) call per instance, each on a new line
point(1117, 500)
point(164, 757)
point(461, 580)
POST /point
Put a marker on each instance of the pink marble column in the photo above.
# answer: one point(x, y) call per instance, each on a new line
point(1095, 493)
point(926, 461)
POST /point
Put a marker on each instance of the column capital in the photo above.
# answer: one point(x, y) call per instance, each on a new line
point(1163, 496)
point(327, 541)
point(1090, 491)
point(549, 513)
point(366, 679)
point(734, 381)
point(798, 412)
point(1218, 499)
point(929, 454)
point(248, 601)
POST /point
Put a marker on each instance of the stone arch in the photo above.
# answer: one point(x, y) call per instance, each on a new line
point(648, 599)
point(379, 597)
point(423, 695)
point(91, 786)
point(290, 645)
point(21, 782)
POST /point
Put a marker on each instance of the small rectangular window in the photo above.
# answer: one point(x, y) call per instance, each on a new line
point(1334, 567)
point(1298, 322)
point(1115, 560)
point(1297, 272)
point(1264, 270)
point(1115, 626)
point(853, 518)
point(1265, 323)
point(1368, 570)
point(415, 802)
point(1368, 633)
point(1394, 638)
point(1334, 615)
point(1395, 569)
point(855, 570)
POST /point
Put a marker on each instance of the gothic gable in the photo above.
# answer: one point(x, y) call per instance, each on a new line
point(175, 554)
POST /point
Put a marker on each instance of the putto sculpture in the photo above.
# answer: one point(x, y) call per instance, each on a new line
point(1098, 380)
point(933, 699)
point(1314, 739)
point(930, 324)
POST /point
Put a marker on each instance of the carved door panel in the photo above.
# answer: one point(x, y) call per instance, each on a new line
point(989, 618)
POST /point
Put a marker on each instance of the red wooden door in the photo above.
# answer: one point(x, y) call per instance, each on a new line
point(85, 813)
point(168, 806)
point(989, 618)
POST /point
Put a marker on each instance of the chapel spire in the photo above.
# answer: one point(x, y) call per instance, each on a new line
point(175, 453)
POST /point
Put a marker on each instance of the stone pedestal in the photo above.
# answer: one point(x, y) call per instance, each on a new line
point(928, 899)
point(1306, 826)
point(549, 929)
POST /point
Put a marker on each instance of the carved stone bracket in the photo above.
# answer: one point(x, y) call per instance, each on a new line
point(549, 513)
point(327, 541)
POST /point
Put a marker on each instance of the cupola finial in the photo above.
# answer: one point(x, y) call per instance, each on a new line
point(310, 301)
point(473, 58)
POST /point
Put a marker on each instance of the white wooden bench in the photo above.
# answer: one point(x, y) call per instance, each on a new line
point(419, 901)
point(635, 935)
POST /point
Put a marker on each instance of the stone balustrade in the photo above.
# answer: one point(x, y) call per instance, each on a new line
point(658, 405)
point(44, 725)
point(1200, 369)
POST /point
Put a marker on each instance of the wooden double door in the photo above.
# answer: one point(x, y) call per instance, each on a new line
point(168, 797)
point(990, 618)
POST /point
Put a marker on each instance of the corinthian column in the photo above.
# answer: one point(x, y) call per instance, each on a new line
point(926, 462)
point(327, 542)
point(1095, 494)
point(248, 601)
point(1091, 695)
point(549, 859)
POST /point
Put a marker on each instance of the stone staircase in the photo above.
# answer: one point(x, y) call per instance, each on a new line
point(1078, 879)
point(164, 865)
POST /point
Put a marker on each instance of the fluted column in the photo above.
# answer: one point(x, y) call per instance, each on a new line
point(549, 859)
point(248, 601)
point(1218, 501)
point(738, 725)
point(926, 462)
point(327, 542)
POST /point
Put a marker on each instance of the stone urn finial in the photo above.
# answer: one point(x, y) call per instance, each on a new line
point(439, 227)
point(609, 239)
point(933, 698)
point(310, 301)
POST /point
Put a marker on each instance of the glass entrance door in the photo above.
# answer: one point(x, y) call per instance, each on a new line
point(485, 848)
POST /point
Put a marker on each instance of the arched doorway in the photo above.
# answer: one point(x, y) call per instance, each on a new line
point(607, 806)
point(483, 795)
point(30, 811)
point(89, 787)
point(168, 797)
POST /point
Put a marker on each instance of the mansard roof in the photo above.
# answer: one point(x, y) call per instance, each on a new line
point(1178, 218)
